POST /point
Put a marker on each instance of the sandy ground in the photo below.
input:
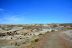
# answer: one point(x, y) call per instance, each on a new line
point(66, 38)
point(50, 40)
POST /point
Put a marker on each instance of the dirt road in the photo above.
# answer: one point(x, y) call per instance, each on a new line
point(50, 40)
point(53, 41)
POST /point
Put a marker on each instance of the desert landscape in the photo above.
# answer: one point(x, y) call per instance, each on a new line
point(34, 35)
point(35, 23)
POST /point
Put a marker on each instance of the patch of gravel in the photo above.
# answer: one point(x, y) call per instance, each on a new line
point(67, 35)
point(7, 47)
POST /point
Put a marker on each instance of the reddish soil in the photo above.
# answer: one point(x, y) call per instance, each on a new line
point(51, 40)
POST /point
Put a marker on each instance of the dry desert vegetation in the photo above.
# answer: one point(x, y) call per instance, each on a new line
point(34, 35)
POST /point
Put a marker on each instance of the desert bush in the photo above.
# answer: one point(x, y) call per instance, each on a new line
point(36, 40)
point(52, 30)
point(40, 34)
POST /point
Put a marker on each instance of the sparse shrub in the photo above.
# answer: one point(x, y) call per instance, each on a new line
point(25, 34)
point(17, 44)
point(52, 30)
point(40, 34)
point(36, 40)
point(32, 47)
point(24, 42)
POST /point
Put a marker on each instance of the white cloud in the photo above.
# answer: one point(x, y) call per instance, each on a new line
point(1, 9)
point(9, 18)
point(13, 18)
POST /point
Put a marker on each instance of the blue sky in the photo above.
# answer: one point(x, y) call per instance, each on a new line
point(35, 11)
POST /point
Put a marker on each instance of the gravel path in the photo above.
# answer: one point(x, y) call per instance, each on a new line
point(50, 40)
point(53, 41)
